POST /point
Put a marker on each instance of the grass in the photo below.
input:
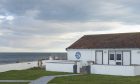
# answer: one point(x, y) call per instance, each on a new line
point(29, 74)
point(12, 83)
point(96, 79)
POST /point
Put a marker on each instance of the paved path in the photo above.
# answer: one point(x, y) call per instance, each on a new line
point(41, 80)
point(46, 79)
point(15, 81)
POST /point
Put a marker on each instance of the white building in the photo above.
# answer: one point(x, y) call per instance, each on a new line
point(111, 54)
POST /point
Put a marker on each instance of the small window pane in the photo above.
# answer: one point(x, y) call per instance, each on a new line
point(118, 63)
point(119, 56)
point(111, 56)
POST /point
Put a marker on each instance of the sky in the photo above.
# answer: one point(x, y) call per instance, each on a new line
point(53, 25)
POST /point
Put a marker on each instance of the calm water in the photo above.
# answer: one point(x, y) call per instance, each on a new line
point(24, 57)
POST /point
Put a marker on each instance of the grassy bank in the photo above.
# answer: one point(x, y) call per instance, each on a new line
point(29, 74)
point(96, 79)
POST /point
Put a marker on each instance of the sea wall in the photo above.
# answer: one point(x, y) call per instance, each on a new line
point(19, 66)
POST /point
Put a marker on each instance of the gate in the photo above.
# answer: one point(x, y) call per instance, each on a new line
point(85, 70)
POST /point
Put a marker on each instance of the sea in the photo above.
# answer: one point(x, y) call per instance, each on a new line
point(16, 57)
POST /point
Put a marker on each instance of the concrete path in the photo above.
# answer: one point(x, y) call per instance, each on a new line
point(46, 79)
point(15, 81)
point(41, 80)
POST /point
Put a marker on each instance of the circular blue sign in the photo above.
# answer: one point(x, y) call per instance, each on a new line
point(78, 55)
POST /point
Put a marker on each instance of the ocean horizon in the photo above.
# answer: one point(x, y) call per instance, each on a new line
point(16, 57)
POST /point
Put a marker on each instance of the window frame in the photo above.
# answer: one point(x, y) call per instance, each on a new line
point(118, 63)
point(118, 58)
point(110, 57)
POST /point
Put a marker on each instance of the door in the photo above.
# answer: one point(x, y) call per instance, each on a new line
point(126, 58)
point(99, 57)
point(118, 57)
point(112, 58)
point(115, 57)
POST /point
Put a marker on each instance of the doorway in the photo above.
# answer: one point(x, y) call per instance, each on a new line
point(115, 57)
point(119, 57)
point(99, 57)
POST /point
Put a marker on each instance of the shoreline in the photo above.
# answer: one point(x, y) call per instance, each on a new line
point(20, 65)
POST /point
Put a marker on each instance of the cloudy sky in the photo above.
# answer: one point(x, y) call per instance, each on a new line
point(53, 25)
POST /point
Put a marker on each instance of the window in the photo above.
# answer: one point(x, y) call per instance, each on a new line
point(119, 57)
point(111, 56)
point(118, 63)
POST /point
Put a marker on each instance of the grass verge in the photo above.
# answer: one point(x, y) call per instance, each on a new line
point(96, 79)
point(29, 74)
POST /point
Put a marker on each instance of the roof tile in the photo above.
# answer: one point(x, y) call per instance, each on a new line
point(120, 40)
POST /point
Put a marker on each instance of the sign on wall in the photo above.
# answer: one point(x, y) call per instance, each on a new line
point(78, 55)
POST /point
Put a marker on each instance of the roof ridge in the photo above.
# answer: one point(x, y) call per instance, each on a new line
point(113, 33)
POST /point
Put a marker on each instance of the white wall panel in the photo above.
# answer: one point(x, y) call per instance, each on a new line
point(89, 55)
point(126, 58)
point(86, 55)
point(59, 67)
point(105, 56)
point(113, 70)
point(135, 54)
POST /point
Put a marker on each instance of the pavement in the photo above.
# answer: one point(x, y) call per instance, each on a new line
point(46, 79)
point(41, 80)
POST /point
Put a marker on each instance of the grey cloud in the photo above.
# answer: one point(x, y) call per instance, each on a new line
point(50, 9)
point(76, 10)
point(23, 26)
point(29, 33)
point(39, 20)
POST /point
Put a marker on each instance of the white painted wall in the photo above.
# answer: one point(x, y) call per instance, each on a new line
point(105, 56)
point(135, 56)
point(89, 55)
point(126, 58)
point(137, 70)
point(113, 70)
point(59, 67)
point(86, 55)
point(99, 57)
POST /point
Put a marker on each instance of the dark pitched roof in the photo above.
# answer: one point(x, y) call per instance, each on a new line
point(120, 40)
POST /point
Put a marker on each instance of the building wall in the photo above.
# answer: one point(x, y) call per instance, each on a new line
point(116, 70)
point(105, 56)
point(60, 67)
point(89, 55)
point(86, 55)
point(136, 57)
point(137, 70)
point(113, 70)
